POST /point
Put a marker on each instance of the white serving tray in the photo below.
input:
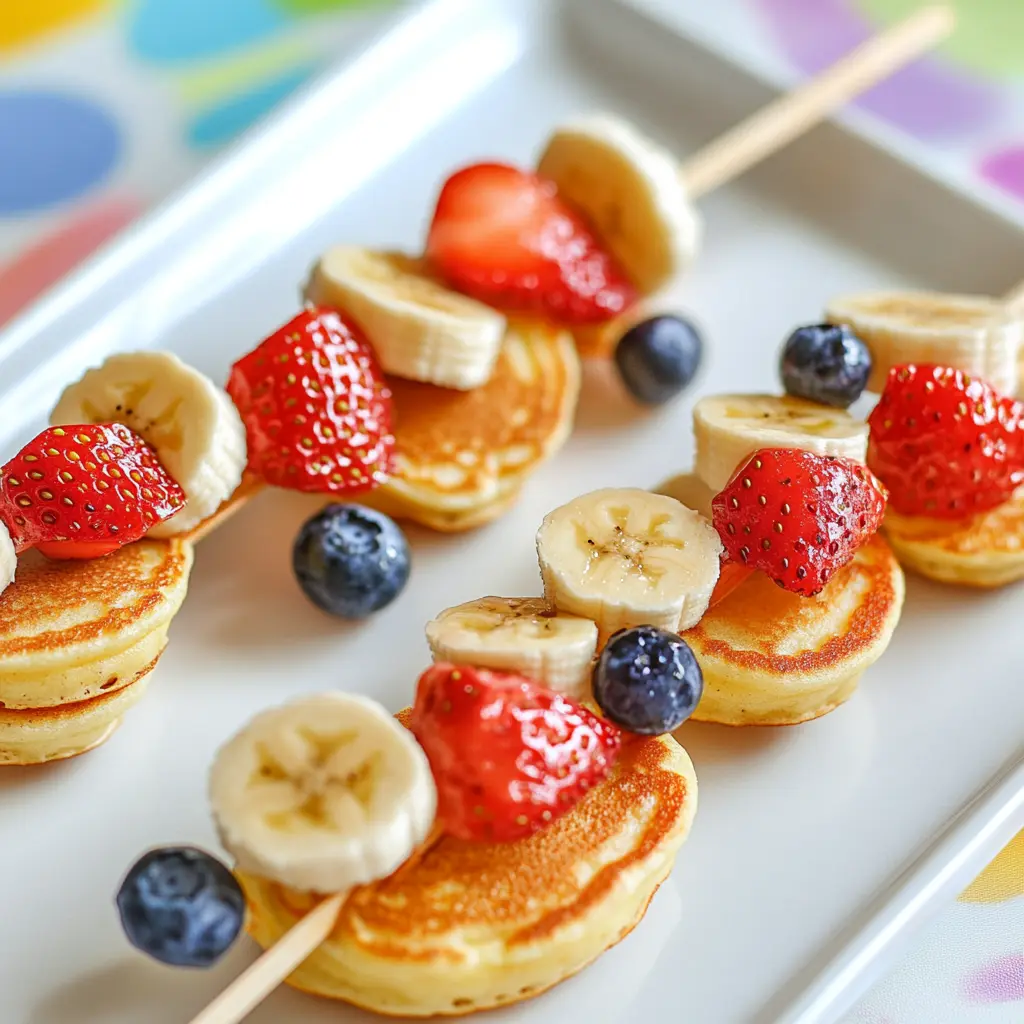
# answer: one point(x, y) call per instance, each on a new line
point(817, 849)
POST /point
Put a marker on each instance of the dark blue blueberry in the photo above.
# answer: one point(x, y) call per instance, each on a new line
point(181, 906)
point(659, 357)
point(647, 680)
point(825, 363)
point(350, 560)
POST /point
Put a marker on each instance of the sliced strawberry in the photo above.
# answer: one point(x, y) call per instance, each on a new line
point(316, 409)
point(84, 491)
point(945, 444)
point(504, 237)
point(508, 756)
point(797, 516)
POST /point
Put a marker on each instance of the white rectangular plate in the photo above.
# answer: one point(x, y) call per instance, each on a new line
point(815, 849)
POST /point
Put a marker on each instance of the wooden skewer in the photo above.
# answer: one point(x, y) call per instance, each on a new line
point(260, 978)
point(732, 154)
point(265, 974)
point(790, 116)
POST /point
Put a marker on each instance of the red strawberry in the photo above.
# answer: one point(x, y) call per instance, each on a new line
point(316, 409)
point(84, 491)
point(945, 444)
point(504, 237)
point(508, 756)
point(797, 516)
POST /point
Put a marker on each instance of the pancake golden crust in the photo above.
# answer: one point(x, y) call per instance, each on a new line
point(463, 455)
point(986, 550)
point(774, 658)
point(40, 735)
point(470, 926)
point(71, 630)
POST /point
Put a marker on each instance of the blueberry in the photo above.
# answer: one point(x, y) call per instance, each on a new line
point(825, 363)
point(350, 560)
point(647, 681)
point(659, 357)
point(182, 906)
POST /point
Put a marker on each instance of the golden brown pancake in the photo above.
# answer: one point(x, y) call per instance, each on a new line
point(985, 550)
point(71, 630)
point(470, 926)
point(39, 735)
point(770, 657)
point(77, 640)
point(462, 456)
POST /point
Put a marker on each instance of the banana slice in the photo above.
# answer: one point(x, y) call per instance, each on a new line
point(192, 425)
point(972, 333)
point(690, 490)
point(418, 328)
point(626, 557)
point(631, 191)
point(322, 794)
point(518, 634)
point(728, 429)
point(8, 559)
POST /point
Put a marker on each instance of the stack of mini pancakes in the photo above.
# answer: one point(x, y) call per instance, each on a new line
point(78, 640)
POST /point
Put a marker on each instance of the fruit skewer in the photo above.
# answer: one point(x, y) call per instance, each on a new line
point(339, 280)
point(739, 149)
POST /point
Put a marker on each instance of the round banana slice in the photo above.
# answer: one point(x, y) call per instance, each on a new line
point(322, 794)
point(973, 333)
point(191, 424)
point(518, 634)
point(8, 559)
point(632, 193)
point(417, 327)
point(627, 557)
point(728, 429)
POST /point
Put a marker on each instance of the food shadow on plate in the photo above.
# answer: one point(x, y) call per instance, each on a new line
point(14, 776)
point(604, 405)
point(708, 743)
point(135, 989)
point(251, 597)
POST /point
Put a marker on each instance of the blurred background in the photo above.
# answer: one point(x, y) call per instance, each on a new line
point(107, 106)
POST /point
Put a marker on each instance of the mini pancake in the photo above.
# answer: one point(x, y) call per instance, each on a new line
point(72, 630)
point(462, 456)
point(985, 550)
point(469, 926)
point(774, 658)
point(38, 735)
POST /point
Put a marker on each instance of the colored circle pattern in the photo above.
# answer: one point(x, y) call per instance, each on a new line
point(25, 21)
point(222, 122)
point(989, 35)
point(928, 99)
point(56, 147)
point(180, 31)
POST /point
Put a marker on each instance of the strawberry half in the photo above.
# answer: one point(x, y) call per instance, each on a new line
point(317, 412)
point(797, 516)
point(504, 237)
point(508, 756)
point(945, 444)
point(85, 491)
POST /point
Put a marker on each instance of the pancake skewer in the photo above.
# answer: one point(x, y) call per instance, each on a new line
point(746, 144)
point(739, 149)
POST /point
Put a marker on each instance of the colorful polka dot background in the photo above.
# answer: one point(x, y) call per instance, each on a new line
point(106, 105)
point(81, 161)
